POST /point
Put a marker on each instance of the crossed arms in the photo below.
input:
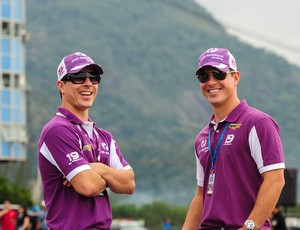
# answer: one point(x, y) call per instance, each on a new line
point(93, 181)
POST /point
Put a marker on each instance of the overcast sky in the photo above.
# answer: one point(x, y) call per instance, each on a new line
point(273, 25)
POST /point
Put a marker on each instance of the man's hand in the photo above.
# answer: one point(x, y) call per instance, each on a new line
point(66, 182)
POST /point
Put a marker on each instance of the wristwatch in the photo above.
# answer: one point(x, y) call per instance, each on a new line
point(250, 225)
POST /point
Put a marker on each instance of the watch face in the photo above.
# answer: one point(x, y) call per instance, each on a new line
point(249, 224)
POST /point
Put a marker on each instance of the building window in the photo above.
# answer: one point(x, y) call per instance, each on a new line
point(17, 81)
point(17, 26)
point(18, 15)
point(5, 97)
point(6, 63)
point(5, 149)
point(6, 52)
point(6, 9)
point(5, 28)
point(11, 80)
point(17, 150)
point(6, 46)
point(6, 80)
point(6, 114)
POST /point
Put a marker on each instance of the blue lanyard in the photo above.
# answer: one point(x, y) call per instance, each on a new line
point(214, 157)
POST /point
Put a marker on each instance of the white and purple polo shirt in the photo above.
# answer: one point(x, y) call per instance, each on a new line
point(250, 147)
point(65, 148)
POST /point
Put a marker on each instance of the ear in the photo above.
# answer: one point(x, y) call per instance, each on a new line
point(236, 77)
point(60, 86)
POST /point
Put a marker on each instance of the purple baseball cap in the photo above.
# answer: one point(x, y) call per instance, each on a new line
point(219, 58)
point(74, 63)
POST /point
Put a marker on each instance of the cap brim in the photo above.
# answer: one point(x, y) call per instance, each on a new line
point(98, 68)
point(220, 66)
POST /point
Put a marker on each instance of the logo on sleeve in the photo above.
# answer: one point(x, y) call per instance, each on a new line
point(73, 157)
point(203, 143)
point(104, 146)
point(203, 147)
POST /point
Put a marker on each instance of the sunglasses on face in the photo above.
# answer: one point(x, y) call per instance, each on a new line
point(217, 75)
point(79, 78)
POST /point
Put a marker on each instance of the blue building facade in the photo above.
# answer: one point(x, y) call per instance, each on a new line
point(13, 90)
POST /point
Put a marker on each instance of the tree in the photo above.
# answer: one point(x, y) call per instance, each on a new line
point(13, 192)
point(153, 213)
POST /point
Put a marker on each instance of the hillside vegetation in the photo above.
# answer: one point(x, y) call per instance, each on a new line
point(149, 97)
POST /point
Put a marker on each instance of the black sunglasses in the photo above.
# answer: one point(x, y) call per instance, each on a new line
point(79, 78)
point(220, 76)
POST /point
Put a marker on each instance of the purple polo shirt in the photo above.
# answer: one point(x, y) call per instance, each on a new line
point(250, 147)
point(65, 148)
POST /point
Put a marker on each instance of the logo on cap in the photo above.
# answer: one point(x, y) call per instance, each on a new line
point(219, 58)
point(60, 71)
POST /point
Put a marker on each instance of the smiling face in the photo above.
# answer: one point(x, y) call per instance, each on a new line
point(78, 98)
point(220, 93)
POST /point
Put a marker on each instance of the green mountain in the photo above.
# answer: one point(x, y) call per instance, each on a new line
point(149, 97)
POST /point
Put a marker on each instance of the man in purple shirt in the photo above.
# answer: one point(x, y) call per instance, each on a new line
point(78, 160)
point(239, 154)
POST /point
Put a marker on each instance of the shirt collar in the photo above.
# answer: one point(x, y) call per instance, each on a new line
point(70, 116)
point(234, 115)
